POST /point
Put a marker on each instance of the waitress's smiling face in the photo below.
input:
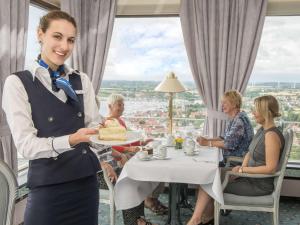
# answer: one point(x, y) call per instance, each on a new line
point(57, 42)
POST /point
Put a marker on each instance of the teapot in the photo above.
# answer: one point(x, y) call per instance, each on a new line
point(189, 144)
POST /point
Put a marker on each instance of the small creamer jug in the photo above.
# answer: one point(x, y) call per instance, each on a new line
point(170, 140)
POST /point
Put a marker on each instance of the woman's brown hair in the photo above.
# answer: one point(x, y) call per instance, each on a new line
point(55, 15)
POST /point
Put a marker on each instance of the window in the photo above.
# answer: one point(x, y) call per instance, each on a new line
point(276, 72)
point(32, 51)
point(142, 52)
point(145, 49)
point(33, 47)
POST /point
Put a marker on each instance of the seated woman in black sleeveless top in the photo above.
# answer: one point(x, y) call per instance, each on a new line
point(263, 157)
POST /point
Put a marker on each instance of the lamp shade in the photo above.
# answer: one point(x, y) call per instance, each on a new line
point(170, 84)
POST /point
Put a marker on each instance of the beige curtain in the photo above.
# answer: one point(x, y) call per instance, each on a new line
point(95, 20)
point(221, 38)
point(13, 39)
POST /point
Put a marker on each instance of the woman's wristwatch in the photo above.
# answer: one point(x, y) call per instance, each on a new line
point(241, 169)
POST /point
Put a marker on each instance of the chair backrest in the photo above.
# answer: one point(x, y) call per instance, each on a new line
point(8, 188)
point(288, 137)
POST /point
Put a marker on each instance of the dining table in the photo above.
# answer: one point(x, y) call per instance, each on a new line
point(140, 177)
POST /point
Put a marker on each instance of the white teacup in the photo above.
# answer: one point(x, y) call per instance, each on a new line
point(143, 154)
point(162, 152)
point(189, 150)
point(154, 144)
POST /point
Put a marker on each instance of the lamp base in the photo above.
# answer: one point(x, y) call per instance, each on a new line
point(170, 113)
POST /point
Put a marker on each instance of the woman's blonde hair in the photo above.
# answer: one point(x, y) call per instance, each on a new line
point(234, 97)
point(113, 98)
point(267, 106)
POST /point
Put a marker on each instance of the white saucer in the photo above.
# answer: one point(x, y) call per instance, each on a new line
point(192, 154)
point(145, 159)
point(160, 158)
point(171, 146)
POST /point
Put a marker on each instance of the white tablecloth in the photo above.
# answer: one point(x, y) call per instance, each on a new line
point(139, 178)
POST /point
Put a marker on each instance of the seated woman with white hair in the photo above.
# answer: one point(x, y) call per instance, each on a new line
point(116, 109)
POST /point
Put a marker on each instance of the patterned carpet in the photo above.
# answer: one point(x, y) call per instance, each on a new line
point(289, 215)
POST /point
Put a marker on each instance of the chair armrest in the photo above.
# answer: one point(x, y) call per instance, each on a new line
point(233, 159)
point(111, 200)
point(250, 175)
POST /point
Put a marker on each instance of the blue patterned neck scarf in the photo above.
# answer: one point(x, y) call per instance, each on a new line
point(59, 82)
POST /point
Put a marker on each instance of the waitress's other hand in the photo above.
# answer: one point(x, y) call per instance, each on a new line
point(202, 141)
point(82, 135)
point(111, 173)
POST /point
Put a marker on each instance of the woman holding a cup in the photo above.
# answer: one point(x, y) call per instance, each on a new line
point(239, 132)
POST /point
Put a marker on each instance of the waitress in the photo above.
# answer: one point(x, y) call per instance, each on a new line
point(47, 109)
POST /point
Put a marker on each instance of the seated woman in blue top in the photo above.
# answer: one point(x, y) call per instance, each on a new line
point(263, 158)
point(239, 132)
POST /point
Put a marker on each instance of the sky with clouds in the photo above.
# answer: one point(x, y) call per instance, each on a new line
point(279, 51)
point(148, 48)
point(33, 47)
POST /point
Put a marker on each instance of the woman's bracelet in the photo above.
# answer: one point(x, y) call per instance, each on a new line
point(53, 146)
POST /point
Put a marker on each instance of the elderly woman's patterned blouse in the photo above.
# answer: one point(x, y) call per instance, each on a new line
point(238, 135)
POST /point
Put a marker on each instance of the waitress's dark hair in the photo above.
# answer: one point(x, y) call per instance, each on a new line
point(55, 15)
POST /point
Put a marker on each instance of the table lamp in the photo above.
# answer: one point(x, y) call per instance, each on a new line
point(170, 85)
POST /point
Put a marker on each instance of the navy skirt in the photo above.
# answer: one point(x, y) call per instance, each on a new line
point(72, 203)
